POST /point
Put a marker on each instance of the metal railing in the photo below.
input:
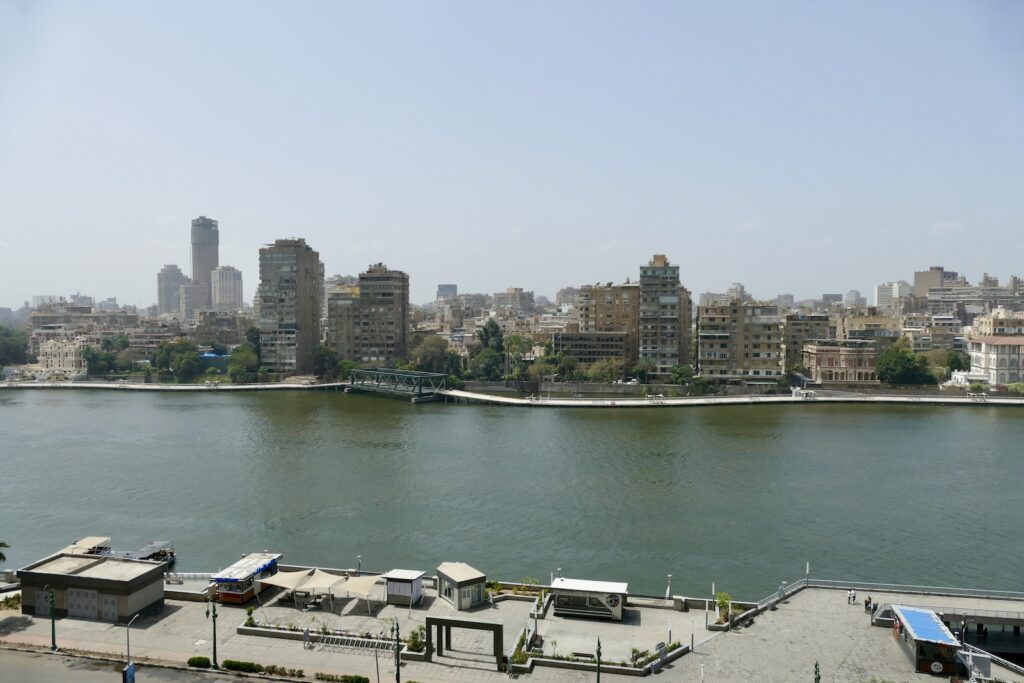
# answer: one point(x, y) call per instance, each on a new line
point(649, 601)
point(924, 590)
point(1016, 668)
point(339, 643)
point(178, 577)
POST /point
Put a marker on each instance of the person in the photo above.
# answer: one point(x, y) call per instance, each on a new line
point(849, 597)
point(305, 639)
point(853, 596)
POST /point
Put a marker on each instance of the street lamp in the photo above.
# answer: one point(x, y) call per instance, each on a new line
point(598, 660)
point(211, 609)
point(50, 598)
point(128, 636)
point(359, 564)
point(398, 652)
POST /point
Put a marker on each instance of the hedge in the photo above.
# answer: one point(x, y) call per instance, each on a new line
point(199, 662)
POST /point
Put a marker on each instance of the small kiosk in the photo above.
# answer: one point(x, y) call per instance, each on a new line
point(925, 640)
point(596, 599)
point(240, 582)
point(460, 584)
point(404, 586)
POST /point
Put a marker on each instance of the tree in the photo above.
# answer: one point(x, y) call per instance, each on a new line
point(957, 361)
point(486, 364)
point(252, 335)
point(98, 362)
point(700, 387)
point(566, 366)
point(491, 336)
point(167, 352)
point(431, 354)
point(13, 346)
point(605, 370)
point(644, 368)
point(325, 363)
point(218, 348)
point(3, 558)
point(897, 365)
point(681, 374)
point(244, 356)
point(186, 365)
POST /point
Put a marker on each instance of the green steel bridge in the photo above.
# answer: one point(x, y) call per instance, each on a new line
point(419, 386)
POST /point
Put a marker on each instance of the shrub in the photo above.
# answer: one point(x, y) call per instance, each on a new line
point(344, 678)
point(416, 639)
point(199, 662)
point(244, 667)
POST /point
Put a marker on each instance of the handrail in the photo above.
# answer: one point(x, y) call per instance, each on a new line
point(907, 588)
point(998, 660)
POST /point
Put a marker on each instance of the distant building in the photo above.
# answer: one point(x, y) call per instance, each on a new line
point(194, 297)
point(447, 292)
point(205, 249)
point(934, 277)
point(713, 299)
point(290, 291)
point(611, 309)
point(999, 358)
point(854, 299)
point(829, 299)
point(226, 288)
point(63, 358)
point(998, 323)
point(47, 300)
point(566, 295)
point(785, 302)
point(888, 294)
point(740, 342)
point(223, 328)
point(665, 316)
point(168, 286)
point(834, 361)
point(590, 347)
point(737, 292)
point(798, 329)
point(935, 333)
point(881, 329)
point(369, 322)
point(514, 299)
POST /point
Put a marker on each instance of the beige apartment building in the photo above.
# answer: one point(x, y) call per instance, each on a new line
point(291, 284)
point(797, 329)
point(665, 316)
point(883, 330)
point(369, 322)
point(836, 361)
point(63, 358)
point(590, 347)
point(999, 322)
point(611, 308)
point(740, 342)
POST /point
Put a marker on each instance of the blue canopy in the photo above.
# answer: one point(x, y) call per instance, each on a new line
point(925, 625)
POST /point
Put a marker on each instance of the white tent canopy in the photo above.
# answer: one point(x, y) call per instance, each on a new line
point(320, 580)
point(288, 580)
point(360, 585)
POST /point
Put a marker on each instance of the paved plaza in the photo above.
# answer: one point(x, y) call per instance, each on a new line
point(781, 645)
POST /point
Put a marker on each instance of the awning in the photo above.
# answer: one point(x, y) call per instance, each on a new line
point(320, 580)
point(359, 585)
point(286, 580)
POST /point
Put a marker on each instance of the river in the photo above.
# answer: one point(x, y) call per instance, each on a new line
point(739, 495)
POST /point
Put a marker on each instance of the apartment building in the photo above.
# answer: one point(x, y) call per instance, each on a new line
point(740, 342)
point(997, 323)
point(226, 287)
point(590, 347)
point(999, 358)
point(168, 285)
point(369, 322)
point(797, 329)
point(665, 317)
point(289, 312)
point(611, 308)
point(883, 330)
point(63, 358)
point(937, 333)
point(514, 299)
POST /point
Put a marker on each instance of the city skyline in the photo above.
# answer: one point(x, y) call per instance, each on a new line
point(798, 149)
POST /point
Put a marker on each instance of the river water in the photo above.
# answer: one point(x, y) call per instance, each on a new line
point(741, 495)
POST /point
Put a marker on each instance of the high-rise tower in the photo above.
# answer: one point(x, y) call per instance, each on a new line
point(291, 284)
point(205, 249)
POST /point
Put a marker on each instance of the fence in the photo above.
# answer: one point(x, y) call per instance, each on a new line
point(996, 660)
point(921, 590)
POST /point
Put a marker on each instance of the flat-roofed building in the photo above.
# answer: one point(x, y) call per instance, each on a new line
point(226, 288)
point(835, 361)
point(63, 358)
point(460, 584)
point(665, 317)
point(590, 347)
point(797, 329)
point(1000, 358)
point(740, 342)
point(168, 286)
point(90, 587)
point(611, 308)
point(998, 322)
point(291, 284)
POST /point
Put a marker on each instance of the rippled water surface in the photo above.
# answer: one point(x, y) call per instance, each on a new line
point(739, 495)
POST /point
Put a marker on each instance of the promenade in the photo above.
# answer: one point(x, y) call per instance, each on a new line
point(783, 644)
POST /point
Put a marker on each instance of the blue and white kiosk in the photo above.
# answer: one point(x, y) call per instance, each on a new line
point(925, 640)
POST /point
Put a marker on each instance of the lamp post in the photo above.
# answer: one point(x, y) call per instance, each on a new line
point(50, 598)
point(598, 660)
point(359, 564)
point(128, 637)
point(211, 610)
point(398, 652)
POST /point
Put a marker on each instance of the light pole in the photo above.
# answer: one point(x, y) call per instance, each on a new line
point(50, 598)
point(211, 610)
point(398, 652)
point(128, 636)
point(598, 660)
point(359, 564)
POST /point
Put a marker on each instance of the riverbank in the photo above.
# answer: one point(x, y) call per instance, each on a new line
point(129, 386)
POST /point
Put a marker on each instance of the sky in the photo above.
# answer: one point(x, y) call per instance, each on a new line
point(797, 147)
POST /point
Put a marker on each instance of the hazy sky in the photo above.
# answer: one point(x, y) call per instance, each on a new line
point(794, 146)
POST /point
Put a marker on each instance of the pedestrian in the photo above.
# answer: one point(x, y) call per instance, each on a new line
point(305, 639)
point(853, 596)
point(849, 597)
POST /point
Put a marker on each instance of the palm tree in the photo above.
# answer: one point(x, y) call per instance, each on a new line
point(3, 558)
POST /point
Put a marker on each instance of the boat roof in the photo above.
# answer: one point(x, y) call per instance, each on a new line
point(84, 545)
point(925, 625)
point(251, 564)
point(156, 546)
point(562, 583)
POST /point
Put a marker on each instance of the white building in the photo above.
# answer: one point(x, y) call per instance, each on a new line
point(888, 294)
point(227, 289)
point(1001, 359)
point(62, 358)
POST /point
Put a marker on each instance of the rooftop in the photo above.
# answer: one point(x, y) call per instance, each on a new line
point(404, 574)
point(253, 563)
point(459, 571)
point(562, 583)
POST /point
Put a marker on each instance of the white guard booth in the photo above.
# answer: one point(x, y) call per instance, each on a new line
point(404, 586)
point(595, 599)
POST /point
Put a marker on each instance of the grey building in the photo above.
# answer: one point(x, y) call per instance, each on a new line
point(665, 316)
point(370, 322)
point(226, 289)
point(168, 286)
point(291, 285)
point(447, 292)
point(205, 249)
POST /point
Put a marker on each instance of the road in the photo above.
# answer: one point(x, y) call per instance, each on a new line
point(27, 667)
